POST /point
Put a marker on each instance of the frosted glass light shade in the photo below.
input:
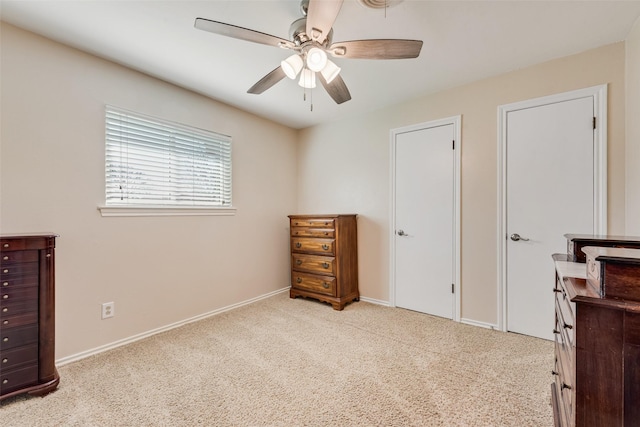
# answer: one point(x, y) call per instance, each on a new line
point(316, 59)
point(330, 71)
point(307, 79)
point(292, 66)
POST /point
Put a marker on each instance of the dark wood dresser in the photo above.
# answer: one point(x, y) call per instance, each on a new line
point(27, 322)
point(324, 258)
point(597, 335)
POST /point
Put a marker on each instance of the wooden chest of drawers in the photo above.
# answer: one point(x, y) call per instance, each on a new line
point(324, 258)
point(27, 274)
point(597, 338)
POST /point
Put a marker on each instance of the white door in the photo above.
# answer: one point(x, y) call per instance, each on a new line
point(549, 192)
point(424, 220)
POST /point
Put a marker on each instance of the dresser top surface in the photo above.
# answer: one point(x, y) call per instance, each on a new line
point(321, 216)
point(26, 235)
point(623, 255)
point(601, 238)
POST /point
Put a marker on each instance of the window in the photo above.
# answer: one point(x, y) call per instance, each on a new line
point(151, 162)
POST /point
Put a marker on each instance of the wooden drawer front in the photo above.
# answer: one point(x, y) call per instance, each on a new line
point(9, 295)
point(15, 337)
point(564, 384)
point(314, 264)
point(10, 309)
point(314, 246)
point(313, 232)
point(8, 272)
point(15, 379)
point(313, 222)
point(18, 281)
point(310, 282)
point(14, 257)
point(26, 355)
point(20, 319)
point(566, 317)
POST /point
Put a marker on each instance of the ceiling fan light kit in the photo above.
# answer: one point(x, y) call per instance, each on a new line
point(307, 79)
point(312, 40)
point(292, 66)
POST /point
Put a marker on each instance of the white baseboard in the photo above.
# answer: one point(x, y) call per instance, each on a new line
point(375, 301)
point(134, 338)
point(479, 324)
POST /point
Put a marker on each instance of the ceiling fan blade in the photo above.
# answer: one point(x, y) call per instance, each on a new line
point(267, 81)
point(337, 89)
point(241, 33)
point(321, 14)
point(377, 49)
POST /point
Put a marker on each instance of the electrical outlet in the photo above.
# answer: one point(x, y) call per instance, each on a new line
point(108, 309)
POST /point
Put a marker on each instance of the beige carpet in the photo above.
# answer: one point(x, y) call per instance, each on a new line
point(283, 362)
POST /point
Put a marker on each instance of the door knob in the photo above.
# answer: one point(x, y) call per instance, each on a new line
point(515, 237)
point(401, 233)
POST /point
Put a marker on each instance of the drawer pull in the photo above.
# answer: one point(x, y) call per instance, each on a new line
point(326, 233)
point(5, 339)
point(325, 285)
point(5, 258)
point(556, 332)
point(299, 280)
point(5, 284)
point(5, 310)
point(557, 290)
point(554, 373)
point(5, 296)
point(298, 261)
point(325, 264)
point(48, 255)
point(567, 326)
point(5, 322)
point(565, 386)
point(6, 270)
point(5, 381)
point(325, 247)
point(5, 360)
point(298, 245)
point(6, 245)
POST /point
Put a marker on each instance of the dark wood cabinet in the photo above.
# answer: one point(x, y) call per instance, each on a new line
point(324, 258)
point(597, 334)
point(27, 321)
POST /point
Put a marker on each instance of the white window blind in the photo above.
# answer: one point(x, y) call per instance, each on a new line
point(153, 162)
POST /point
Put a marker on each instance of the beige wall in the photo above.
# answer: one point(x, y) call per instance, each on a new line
point(633, 131)
point(344, 166)
point(157, 270)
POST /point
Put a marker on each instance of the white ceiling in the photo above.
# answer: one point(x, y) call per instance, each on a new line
point(464, 41)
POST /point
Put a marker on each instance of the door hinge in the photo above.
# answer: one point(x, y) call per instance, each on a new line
point(453, 144)
point(453, 288)
point(594, 122)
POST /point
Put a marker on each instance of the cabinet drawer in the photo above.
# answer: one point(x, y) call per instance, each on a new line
point(11, 308)
point(19, 319)
point(313, 222)
point(14, 379)
point(310, 282)
point(313, 232)
point(20, 269)
point(15, 257)
point(8, 295)
point(565, 316)
point(19, 281)
point(314, 246)
point(314, 263)
point(15, 337)
point(25, 355)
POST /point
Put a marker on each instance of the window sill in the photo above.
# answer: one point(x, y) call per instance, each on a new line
point(164, 211)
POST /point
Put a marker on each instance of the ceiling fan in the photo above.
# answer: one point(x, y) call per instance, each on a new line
point(311, 40)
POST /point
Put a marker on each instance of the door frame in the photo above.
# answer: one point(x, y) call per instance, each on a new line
point(599, 94)
point(456, 121)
